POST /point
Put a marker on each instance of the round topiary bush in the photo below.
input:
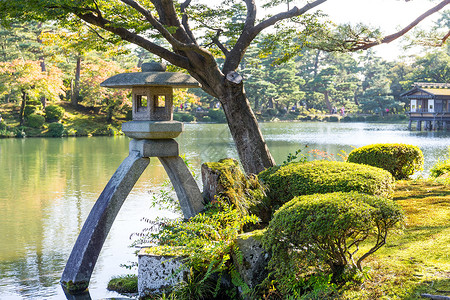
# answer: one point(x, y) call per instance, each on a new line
point(217, 115)
point(35, 121)
point(29, 110)
point(401, 160)
point(54, 113)
point(295, 179)
point(323, 231)
point(55, 130)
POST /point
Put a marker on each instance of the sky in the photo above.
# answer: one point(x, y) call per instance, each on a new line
point(389, 15)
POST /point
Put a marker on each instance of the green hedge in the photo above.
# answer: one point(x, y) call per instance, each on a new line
point(183, 117)
point(321, 230)
point(35, 121)
point(217, 115)
point(54, 113)
point(295, 179)
point(55, 130)
point(400, 160)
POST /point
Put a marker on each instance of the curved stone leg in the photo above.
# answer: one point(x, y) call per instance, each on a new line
point(79, 267)
point(189, 195)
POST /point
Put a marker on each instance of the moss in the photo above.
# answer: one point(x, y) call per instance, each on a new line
point(256, 234)
point(244, 192)
point(415, 261)
point(75, 288)
point(124, 284)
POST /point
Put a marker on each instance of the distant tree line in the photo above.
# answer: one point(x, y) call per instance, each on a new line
point(40, 61)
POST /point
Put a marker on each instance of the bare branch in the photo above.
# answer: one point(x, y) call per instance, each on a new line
point(294, 12)
point(95, 31)
point(392, 37)
point(444, 39)
point(185, 20)
point(219, 44)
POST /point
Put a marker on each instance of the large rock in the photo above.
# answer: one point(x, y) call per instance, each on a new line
point(158, 273)
point(252, 268)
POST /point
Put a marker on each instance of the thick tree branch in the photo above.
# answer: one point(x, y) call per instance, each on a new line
point(250, 31)
point(134, 38)
point(387, 39)
point(176, 44)
point(251, 15)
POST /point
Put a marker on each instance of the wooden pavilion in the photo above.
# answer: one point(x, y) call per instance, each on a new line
point(429, 103)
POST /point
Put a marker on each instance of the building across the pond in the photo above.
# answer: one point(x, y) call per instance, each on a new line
point(429, 104)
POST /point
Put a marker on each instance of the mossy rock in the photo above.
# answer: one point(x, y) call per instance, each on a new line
point(124, 284)
point(225, 179)
point(295, 179)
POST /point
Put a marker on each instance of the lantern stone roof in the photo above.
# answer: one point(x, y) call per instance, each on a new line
point(153, 74)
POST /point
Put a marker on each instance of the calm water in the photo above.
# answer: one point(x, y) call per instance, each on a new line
point(48, 187)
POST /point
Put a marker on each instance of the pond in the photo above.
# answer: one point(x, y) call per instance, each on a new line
point(48, 187)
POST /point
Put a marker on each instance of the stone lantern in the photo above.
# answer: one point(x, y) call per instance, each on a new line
point(152, 131)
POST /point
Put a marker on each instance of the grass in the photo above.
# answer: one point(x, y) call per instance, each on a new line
point(418, 260)
point(123, 284)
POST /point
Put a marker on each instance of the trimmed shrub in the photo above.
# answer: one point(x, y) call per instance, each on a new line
point(400, 160)
point(35, 121)
point(295, 179)
point(107, 130)
point(206, 119)
point(347, 119)
point(323, 231)
point(334, 119)
point(54, 113)
point(217, 115)
point(182, 117)
point(441, 167)
point(55, 130)
point(29, 110)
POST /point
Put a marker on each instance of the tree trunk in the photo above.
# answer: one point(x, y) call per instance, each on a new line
point(327, 101)
point(22, 107)
point(41, 59)
point(76, 86)
point(251, 146)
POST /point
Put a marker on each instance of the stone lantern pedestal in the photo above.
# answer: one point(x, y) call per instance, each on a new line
point(152, 131)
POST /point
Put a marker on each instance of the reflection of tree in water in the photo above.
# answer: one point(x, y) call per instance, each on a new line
point(35, 274)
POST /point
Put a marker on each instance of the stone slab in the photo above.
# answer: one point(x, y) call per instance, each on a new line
point(155, 148)
point(152, 129)
point(157, 273)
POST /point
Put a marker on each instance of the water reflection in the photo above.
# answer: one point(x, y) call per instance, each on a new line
point(48, 186)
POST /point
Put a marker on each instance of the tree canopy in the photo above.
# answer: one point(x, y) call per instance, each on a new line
point(210, 41)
